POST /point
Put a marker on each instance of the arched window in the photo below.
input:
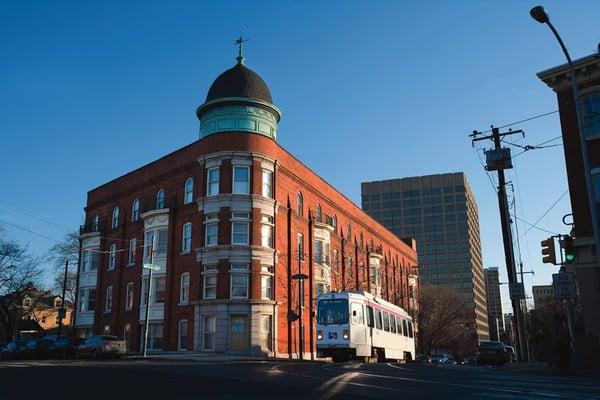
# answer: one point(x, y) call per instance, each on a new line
point(299, 204)
point(362, 241)
point(318, 215)
point(135, 210)
point(160, 199)
point(348, 232)
point(96, 223)
point(188, 196)
point(334, 221)
point(115, 217)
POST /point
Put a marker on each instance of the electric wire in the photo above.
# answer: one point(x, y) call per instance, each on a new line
point(534, 225)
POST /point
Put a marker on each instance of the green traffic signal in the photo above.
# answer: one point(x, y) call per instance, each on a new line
point(568, 245)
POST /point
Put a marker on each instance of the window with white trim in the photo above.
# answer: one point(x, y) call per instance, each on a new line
point(239, 281)
point(135, 210)
point(318, 213)
point(162, 242)
point(266, 282)
point(212, 181)
point(299, 204)
point(129, 296)
point(209, 329)
point(210, 282)
point(112, 256)
point(182, 342)
point(335, 261)
point(240, 228)
point(266, 231)
point(96, 223)
point(267, 183)
point(184, 291)
point(160, 199)
point(148, 242)
point(319, 251)
point(186, 245)
point(211, 229)
point(300, 246)
point(109, 299)
point(160, 285)
point(241, 180)
point(115, 217)
point(132, 250)
point(188, 191)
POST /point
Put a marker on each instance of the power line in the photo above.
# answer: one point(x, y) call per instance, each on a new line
point(11, 208)
point(32, 232)
point(534, 225)
point(524, 120)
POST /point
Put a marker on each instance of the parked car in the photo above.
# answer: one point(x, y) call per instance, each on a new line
point(98, 346)
point(492, 353)
point(422, 358)
point(512, 354)
point(36, 348)
point(13, 350)
point(64, 347)
point(439, 358)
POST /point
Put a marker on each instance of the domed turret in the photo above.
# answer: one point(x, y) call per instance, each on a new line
point(239, 100)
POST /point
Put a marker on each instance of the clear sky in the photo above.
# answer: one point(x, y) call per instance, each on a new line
point(369, 90)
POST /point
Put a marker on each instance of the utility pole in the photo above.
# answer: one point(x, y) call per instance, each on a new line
point(61, 310)
point(499, 159)
point(150, 268)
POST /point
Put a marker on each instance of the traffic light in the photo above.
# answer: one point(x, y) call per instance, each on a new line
point(548, 251)
point(567, 244)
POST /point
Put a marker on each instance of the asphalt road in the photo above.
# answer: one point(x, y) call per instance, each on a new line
point(171, 380)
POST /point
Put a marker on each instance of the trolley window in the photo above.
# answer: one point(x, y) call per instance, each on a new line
point(392, 324)
point(370, 319)
point(386, 321)
point(410, 331)
point(404, 328)
point(332, 311)
point(378, 319)
point(357, 314)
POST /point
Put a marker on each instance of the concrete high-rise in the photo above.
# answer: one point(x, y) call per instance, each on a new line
point(494, 302)
point(440, 212)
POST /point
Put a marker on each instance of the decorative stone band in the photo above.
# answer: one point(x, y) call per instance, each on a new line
point(236, 254)
point(239, 118)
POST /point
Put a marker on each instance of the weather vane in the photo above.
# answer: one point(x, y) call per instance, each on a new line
point(240, 42)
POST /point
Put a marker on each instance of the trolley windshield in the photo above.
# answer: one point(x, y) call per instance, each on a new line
point(332, 311)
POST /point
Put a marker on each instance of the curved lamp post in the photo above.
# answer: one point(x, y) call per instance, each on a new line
point(540, 15)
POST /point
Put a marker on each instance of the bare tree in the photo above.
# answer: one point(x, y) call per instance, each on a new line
point(19, 271)
point(441, 318)
point(67, 250)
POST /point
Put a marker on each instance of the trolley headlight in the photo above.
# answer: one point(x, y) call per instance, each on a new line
point(346, 334)
point(319, 335)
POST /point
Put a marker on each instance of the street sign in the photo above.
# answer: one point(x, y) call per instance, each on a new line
point(564, 285)
point(153, 267)
point(517, 291)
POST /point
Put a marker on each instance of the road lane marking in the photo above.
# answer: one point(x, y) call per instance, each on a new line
point(560, 396)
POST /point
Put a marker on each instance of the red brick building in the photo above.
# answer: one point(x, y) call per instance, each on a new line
point(232, 217)
point(585, 266)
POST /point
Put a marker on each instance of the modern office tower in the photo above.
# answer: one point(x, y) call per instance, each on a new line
point(440, 212)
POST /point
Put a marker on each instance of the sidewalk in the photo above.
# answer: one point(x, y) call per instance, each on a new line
point(211, 358)
point(542, 368)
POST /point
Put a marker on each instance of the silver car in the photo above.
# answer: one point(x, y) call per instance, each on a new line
point(99, 346)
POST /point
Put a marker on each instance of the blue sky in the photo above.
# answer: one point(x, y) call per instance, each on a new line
point(368, 90)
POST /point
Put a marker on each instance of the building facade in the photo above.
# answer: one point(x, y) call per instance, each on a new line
point(494, 302)
point(542, 294)
point(228, 221)
point(440, 212)
point(585, 266)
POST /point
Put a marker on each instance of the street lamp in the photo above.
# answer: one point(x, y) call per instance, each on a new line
point(540, 15)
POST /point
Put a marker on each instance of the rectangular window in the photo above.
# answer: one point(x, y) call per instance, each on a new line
point(155, 336)
point(210, 286)
point(109, 299)
point(144, 292)
point(160, 288)
point(112, 256)
point(404, 328)
point(319, 251)
point(210, 236)
point(184, 294)
point(148, 240)
point(186, 245)
point(209, 332)
point(386, 321)
point(129, 296)
point(86, 261)
point(132, 248)
point(300, 246)
point(335, 262)
point(392, 324)
point(212, 181)
point(266, 232)
point(94, 261)
point(267, 183)
point(239, 285)
point(81, 301)
point(161, 245)
point(378, 323)
point(183, 335)
point(266, 290)
point(241, 180)
point(91, 300)
point(239, 232)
